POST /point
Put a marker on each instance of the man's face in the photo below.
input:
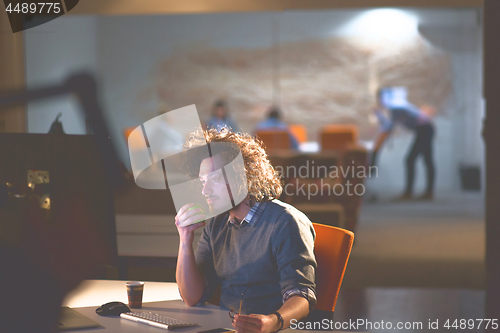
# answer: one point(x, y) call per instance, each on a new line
point(220, 112)
point(215, 188)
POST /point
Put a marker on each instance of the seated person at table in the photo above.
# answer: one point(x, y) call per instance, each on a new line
point(260, 252)
point(274, 122)
point(221, 119)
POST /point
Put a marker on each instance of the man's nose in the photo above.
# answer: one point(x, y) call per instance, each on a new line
point(207, 189)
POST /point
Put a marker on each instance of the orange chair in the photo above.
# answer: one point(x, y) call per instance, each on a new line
point(332, 248)
point(299, 131)
point(338, 136)
point(275, 139)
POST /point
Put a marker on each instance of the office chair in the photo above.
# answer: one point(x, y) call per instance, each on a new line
point(332, 248)
point(275, 139)
point(299, 131)
point(338, 136)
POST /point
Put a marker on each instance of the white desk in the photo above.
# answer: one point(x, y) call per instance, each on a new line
point(159, 297)
point(97, 292)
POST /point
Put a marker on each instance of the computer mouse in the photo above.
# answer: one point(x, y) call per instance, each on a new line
point(112, 309)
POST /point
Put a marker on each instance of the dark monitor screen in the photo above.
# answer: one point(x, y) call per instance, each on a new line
point(59, 167)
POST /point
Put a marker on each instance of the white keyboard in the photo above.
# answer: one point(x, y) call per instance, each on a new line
point(156, 320)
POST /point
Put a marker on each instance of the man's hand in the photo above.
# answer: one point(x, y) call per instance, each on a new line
point(184, 219)
point(190, 281)
point(380, 140)
point(295, 307)
point(255, 323)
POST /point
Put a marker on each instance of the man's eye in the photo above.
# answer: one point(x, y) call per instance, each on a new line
point(216, 180)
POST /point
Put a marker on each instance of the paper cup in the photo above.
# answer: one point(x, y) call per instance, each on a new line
point(134, 293)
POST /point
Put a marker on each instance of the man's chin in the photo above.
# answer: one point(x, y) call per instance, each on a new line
point(212, 203)
point(217, 208)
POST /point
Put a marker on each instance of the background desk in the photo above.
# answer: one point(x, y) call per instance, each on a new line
point(148, 241)
point(159, 297)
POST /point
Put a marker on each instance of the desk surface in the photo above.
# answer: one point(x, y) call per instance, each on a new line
point(159, 297)
point(97, 292)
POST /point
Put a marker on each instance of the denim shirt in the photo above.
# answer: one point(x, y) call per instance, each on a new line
point(268, 257)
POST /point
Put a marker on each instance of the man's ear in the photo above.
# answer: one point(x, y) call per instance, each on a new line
point(248, 201)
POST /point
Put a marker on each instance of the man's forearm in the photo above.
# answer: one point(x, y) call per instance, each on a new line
point(296, 307)
point(189, 280)
point(380, 140)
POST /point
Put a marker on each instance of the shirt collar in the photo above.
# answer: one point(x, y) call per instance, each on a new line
point(253, 215)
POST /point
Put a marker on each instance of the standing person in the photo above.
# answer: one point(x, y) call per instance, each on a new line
point(274, 121)
point(404, 113)
point(221, 119)
point(260, 252)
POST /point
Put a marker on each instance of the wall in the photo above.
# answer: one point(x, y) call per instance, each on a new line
point(53, 51)
point(148, 64)
point(166, 62)
point(132, 49)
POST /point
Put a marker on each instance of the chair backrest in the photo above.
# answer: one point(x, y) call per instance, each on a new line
point(275, 139)
point(332, 248)
point(337, 137)
point(299, 131)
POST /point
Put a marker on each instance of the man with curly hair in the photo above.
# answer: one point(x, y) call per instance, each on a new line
point(260, 252)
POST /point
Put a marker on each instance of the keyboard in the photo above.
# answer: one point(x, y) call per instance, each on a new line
point(156, 320)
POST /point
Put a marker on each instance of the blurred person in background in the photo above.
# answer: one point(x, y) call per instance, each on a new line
point(393, 100)
point(274, 122)
point(220, 118)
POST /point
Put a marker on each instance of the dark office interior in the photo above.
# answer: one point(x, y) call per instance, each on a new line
point(75, 91)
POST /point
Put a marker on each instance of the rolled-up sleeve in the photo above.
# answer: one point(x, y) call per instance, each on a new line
point(293, 247)
point(307, 293)
point(205, 262)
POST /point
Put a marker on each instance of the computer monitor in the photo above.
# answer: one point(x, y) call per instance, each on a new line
point(60, 167)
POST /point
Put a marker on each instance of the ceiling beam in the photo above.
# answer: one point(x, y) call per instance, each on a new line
point(157, 7)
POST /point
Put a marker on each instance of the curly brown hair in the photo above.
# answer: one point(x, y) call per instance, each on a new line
point(263, 181)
